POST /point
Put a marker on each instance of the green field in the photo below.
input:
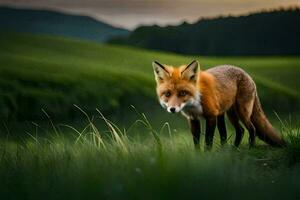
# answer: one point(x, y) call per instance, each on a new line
point(55, 73)
point(50, 149)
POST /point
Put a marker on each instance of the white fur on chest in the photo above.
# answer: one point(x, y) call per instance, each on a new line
point(193, 109)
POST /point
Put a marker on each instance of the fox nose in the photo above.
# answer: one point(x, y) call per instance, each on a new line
point(172, 110)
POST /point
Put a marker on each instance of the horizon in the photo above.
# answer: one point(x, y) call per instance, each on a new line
point(155, 24)
point(132, 17)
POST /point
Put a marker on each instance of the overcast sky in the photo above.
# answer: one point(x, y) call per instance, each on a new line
point(131, 13)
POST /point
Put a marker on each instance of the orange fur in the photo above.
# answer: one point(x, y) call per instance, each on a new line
point(175, 83)
point(209, 96)
point(206, 85)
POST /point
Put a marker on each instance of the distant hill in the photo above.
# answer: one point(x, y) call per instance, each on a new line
point(54, 73)
point(265, 33)
point(56, 23)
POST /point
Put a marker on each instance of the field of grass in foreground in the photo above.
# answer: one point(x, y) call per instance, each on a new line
point(93, 164)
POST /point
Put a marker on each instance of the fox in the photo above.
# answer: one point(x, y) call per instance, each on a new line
point(211, 94)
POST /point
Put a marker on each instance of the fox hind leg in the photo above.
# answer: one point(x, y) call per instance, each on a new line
point(239, 130)
point(244, 110)
point(252, 131)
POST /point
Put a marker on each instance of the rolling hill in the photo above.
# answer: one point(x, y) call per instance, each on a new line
point(265, 33)
point(54, 73)
point(56, 23)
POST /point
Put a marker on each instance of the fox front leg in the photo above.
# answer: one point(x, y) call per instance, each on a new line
point(222, 128)
point(195, 127)
point(211, 123)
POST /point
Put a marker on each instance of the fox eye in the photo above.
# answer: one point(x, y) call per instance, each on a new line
point(168, 94)
point(182, 93)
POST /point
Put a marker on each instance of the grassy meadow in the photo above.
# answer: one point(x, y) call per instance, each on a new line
point(90, 163)
point(69, 131)
point(54, 73)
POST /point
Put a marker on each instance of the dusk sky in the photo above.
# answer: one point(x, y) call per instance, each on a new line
point(131, 13)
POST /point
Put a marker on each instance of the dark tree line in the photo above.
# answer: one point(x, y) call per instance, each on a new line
point(265, 33)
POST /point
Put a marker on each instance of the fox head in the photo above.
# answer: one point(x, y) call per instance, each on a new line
point(177, 87)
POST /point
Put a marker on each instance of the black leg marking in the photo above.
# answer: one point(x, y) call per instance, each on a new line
point(209, 132)
point(222, 129)
point(239, 130)
point(195, 127)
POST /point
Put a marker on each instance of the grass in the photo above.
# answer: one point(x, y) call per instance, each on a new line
point(93, 163)
point(54, 73)
point(42, 77)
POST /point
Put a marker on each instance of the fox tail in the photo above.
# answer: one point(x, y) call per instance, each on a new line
point(264, 130)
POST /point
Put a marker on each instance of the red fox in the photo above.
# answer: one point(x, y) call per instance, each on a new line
point(211, 94)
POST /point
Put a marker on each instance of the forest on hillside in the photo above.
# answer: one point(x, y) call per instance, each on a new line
point(264, 33)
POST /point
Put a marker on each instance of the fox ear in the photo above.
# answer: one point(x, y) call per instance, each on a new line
point(190, 72)
point(160, 71)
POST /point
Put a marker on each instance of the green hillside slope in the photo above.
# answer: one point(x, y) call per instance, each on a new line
point(54, 73)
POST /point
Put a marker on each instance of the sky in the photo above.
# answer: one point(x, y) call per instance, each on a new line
point(132, 13)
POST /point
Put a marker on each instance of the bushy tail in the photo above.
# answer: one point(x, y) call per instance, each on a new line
point(264, 130)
